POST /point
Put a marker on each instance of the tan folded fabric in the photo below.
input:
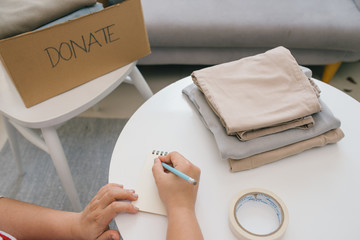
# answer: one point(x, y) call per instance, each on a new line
point(257, 160)
point(301, 123)
point(258, 92)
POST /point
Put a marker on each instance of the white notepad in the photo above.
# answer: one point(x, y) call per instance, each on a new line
point(149, 200)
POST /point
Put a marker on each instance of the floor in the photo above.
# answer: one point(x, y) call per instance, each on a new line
point(124, 101)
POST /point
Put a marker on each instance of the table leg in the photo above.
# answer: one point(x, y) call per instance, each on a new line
point(58, 157)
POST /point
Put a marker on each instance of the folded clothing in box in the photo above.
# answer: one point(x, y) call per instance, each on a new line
point(19, 16)
point(81, 12)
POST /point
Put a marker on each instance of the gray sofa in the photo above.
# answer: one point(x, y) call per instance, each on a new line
point(318, 32)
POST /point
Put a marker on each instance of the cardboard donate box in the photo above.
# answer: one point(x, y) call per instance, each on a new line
point(50, 61)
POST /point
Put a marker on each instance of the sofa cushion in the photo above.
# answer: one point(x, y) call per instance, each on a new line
point(307, 24)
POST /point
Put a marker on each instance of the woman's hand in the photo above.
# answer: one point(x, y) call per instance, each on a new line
point(174, 191)
point(111, 200)
point(178, 196)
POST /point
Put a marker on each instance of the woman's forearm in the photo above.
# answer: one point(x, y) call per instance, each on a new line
point(28, 221)
point(182, 224)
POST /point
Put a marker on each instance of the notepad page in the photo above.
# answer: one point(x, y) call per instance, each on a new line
point(149, 200)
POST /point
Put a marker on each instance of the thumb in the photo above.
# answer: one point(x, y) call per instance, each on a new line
point(157, 168)
point(109, 235)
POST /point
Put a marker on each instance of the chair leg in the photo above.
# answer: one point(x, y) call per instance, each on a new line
point(140, 83)
point(10, 131)
point(58, 157)
point(329, 71)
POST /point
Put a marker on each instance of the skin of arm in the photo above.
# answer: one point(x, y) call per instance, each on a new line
point(27, 221)
point(178, 196)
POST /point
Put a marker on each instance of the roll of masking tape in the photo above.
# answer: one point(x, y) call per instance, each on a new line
point(258, 214)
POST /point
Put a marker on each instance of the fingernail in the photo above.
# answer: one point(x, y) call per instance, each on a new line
point(135, 195)
point(155, 159)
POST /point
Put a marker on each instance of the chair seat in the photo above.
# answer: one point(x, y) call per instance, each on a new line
point(60, 108)
point(49, 114)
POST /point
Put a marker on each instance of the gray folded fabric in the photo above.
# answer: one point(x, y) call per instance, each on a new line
point(19, 16)
point(261, 159)
point(357, 3)
point(306, 71)
point(231, 147)
point(81, 12)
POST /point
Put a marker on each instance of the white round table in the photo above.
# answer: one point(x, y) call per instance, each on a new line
point(320, 187)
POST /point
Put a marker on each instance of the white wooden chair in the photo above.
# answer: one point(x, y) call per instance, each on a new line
point(53, 112)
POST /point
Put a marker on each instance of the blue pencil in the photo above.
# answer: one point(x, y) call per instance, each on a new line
point(180, 174)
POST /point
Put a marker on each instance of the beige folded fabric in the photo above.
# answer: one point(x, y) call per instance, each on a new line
point(19, 16)
point(259, 92)
point(257, 160)
point(301, 123)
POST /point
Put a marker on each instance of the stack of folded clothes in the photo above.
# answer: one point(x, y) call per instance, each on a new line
point(262, 108)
